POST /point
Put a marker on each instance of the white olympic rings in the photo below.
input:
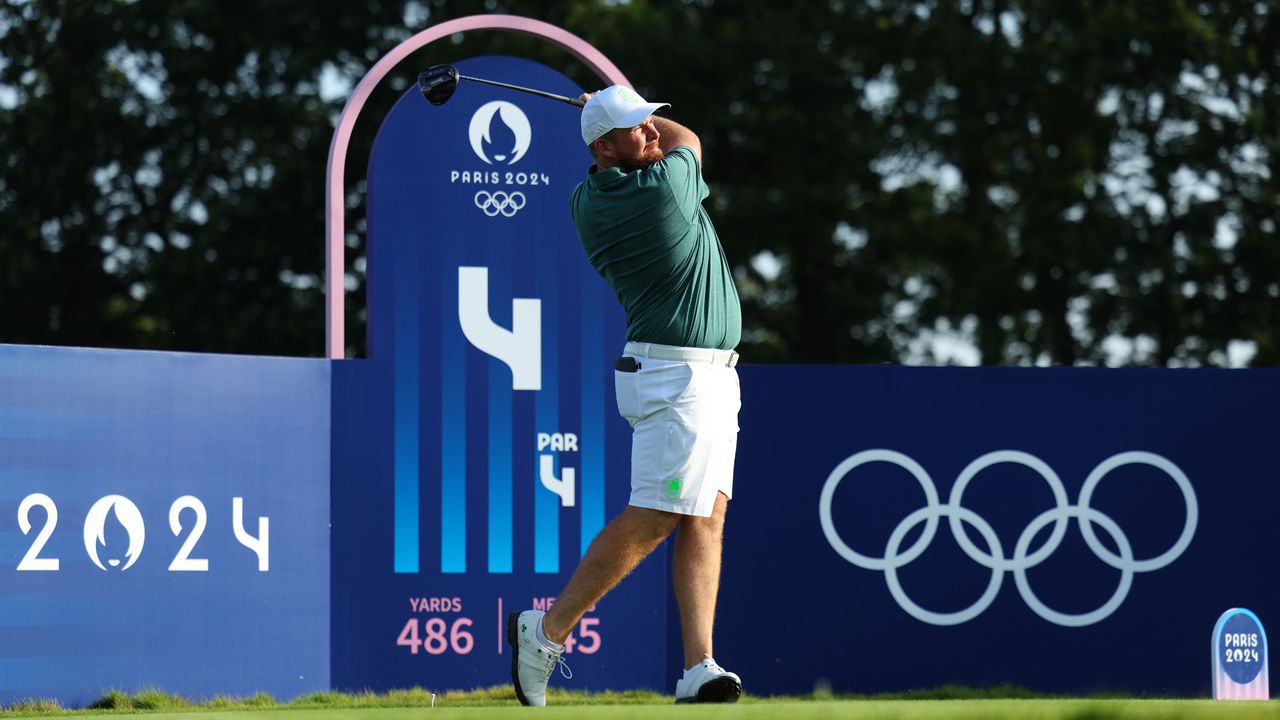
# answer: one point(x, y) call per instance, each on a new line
point(493, 203)
point(1022, 559)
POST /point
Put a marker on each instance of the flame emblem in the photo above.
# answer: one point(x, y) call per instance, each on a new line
point(500, 133)
point(128, 517)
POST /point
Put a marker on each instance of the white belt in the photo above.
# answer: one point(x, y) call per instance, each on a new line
point(727, 358)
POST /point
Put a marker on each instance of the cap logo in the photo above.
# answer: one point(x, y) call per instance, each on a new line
point(628, 95)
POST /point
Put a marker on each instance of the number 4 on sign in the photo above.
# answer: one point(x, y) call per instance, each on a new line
point(409, 636)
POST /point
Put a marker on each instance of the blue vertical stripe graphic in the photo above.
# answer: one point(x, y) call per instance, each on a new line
point(500, 466)
point(546, 417)
point(501, 423)
point(453, 429)
point(407, 409)
point(592, 440)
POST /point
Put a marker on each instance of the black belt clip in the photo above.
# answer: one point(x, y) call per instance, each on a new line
point(627, 364)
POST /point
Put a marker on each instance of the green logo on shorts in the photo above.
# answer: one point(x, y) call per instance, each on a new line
point(672, 487)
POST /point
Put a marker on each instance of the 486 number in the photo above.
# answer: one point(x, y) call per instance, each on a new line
point(434, 638)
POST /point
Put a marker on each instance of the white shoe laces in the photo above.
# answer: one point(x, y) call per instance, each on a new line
point(552, 661)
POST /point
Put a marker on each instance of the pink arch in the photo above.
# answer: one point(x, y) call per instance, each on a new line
point(334, 204)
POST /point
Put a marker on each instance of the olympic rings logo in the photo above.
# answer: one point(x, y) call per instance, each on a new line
point(506, 204)
point(1023, 558)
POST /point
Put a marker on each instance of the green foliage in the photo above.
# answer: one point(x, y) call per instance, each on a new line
point(113, 700)
point(33, 707)
point(148, 699)
point(1050, 182)
point(321, 698)
point(162, 181)
point(496, 696)
point(946, 703)
point(118, 701)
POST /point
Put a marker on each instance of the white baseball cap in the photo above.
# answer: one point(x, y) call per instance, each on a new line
point(614, 107)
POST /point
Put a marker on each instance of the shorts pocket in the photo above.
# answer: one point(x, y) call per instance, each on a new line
point(677, 449)
point(626, 391)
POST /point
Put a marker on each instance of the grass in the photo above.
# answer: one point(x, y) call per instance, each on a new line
point(946, 703)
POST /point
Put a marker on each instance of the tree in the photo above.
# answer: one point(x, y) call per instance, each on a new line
point(1056, 183)
point(1044, 182)
point(163, 170)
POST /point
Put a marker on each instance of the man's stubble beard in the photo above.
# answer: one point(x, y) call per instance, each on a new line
point(642, 161)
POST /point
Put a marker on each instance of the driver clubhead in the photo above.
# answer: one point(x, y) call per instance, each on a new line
point(437, 83)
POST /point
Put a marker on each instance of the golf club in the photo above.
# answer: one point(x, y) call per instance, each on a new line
point(438, 83)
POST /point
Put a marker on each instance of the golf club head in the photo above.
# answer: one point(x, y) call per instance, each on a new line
point(437, 83)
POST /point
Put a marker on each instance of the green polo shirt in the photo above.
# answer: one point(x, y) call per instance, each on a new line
point(649, 237)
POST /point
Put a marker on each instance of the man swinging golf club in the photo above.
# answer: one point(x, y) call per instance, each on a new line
point(640, 218)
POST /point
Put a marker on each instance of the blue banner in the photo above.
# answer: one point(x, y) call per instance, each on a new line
point(1067, 530)
point(163, 523)
point(478, 450)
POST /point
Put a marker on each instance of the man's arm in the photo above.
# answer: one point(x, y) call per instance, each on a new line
point(672, 134)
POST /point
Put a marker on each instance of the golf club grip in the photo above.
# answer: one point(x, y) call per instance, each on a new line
point(550, 96)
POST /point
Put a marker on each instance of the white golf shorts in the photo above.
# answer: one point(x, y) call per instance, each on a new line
point(684, 420)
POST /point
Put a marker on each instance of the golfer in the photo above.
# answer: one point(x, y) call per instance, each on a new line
point(640, 218)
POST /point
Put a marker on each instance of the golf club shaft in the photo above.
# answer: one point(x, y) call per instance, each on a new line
point(550, 96)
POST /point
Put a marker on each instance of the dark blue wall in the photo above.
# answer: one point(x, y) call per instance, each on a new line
point(81, 425)
point(837, 623)
point(77, 426)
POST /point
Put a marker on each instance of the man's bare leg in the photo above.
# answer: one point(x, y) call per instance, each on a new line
point(615, 552)
point(696, 578)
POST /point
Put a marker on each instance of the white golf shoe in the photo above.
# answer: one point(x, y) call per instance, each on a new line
point(531, 661)
point(707, 682)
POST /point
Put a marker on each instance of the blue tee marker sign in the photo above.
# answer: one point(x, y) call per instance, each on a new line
point(481, 451)
point(1240, 657)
